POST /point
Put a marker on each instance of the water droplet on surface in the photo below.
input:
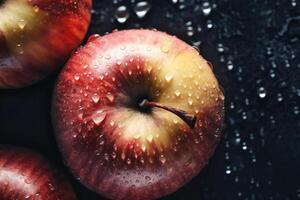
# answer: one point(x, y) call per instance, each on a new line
point(98, 118)
point(190, 102)
point(93, 37)
point(76, 77)
point(107, 57)
point(147, 178)
point(164, 48)
point(36, 9)
point(143, 148)
point(162, 159)
point(22, 23)
point(149, 138)
point(169, 78)
point(95, 98)
point(110, 97)
point(177, 93)
point(262, 93)
point(121, 14)
point(141, 9)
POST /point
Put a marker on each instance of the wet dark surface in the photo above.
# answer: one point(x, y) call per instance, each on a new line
point(254, 47)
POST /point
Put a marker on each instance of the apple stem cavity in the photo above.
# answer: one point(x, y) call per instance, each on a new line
point(189, 119)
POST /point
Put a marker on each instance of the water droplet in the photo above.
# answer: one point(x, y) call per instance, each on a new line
point(80, 116)
point(162, 159)
point(119, 62)
point(112, 123)
point(164, 48)
point(149, 138)
point(177, 93)
point(128, 161)
point(169, 78)
point(229, 65)
point(220, 48)
point(76, 77)
point(98, 118)
point(93, 37)
point(36, 9)
point(22, 23)
point(262, 93)
point(110, 97)
point(141, 9)
point(95, 98)
point(209, 24)
point(147, 178)
point(206, 8)
point(143, 148)
point(107, 57)
point(121, 14)
point(190, 102)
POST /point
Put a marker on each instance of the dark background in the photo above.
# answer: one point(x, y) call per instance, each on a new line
point(254, 46)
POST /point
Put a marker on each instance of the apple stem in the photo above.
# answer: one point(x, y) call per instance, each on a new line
point(189, 119)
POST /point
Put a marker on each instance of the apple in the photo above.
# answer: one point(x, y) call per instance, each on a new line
point(26, 175)
point(137, 114)
point(37, 36)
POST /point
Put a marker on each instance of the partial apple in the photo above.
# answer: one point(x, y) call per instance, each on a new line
point(26, 175)
point(137, 113)
point(37, 37)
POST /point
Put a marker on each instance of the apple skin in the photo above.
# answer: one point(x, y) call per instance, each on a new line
point(26, 175)
point(113, 147)
point(37, 37)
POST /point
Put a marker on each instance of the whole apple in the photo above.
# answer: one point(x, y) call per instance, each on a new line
point(137, 113)
point(37, 36)
point(26, 175)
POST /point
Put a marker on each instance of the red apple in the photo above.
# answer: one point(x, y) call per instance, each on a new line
point(137, 113)
point(37, 36)
point(26, 175)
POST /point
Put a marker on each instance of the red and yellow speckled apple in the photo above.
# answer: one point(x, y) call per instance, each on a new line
point(26, 175)
point(37, 36)
point(138, 113)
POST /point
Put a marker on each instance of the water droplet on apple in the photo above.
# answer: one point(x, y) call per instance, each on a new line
point(177, 93)
point(113, 155)
point(98, 118)
point(164, 48)
point(147, 178)
point(162, 159)
point(143, 148)
point(112, 123)
point(149, 138)
point(80, 116)
point(93, 37)
point(149, 69)
point(190, 102)
point(119, 62)
point(22, 23)
point(169, 78)
point(76, 77)
point(36, 9)
point(95, 98)
point(128, 161)
point(107, 57)
point(101, 77)
point(121, 14)
point(110, 97)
